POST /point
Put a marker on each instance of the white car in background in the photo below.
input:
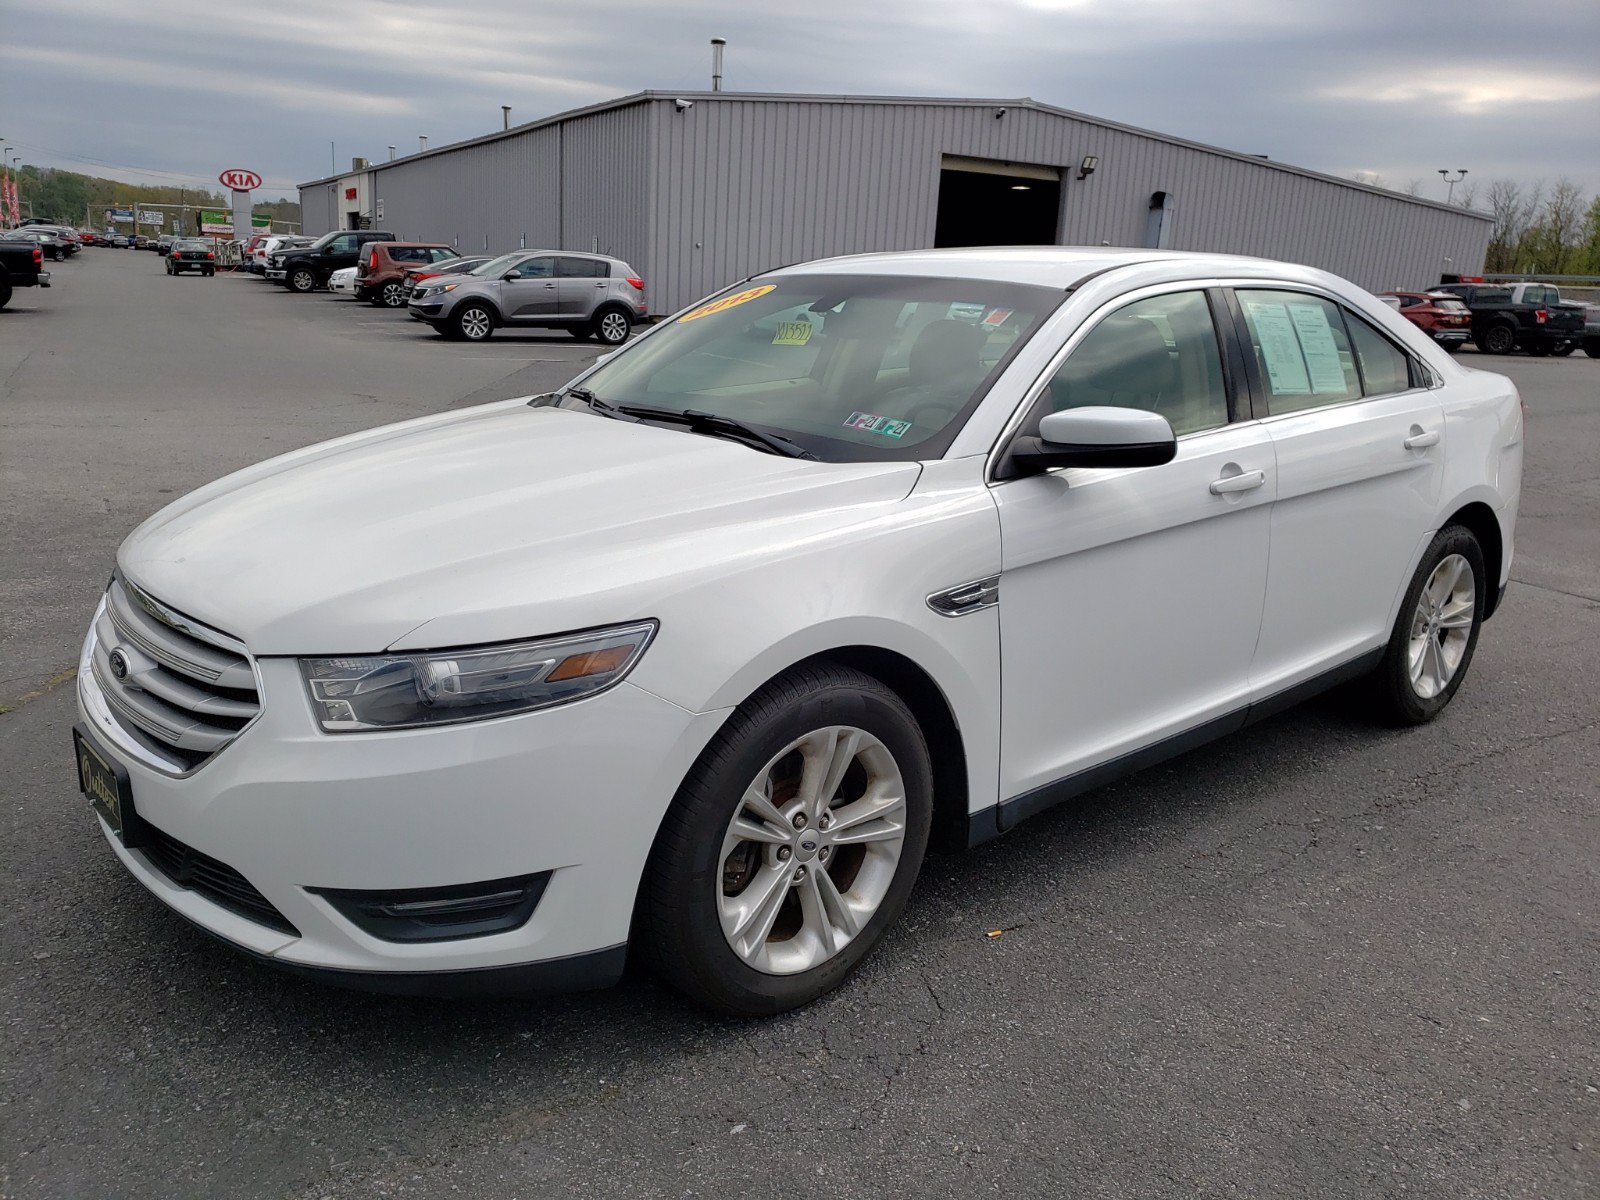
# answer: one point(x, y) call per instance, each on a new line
point(691, 659)
point(343, 281)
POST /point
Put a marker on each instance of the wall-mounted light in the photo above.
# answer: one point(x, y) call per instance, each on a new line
point(998, 113)
point(1088, 166)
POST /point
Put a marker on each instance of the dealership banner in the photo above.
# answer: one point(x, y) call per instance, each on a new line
point(151, 218)
point(216, 220)
point(118, 214)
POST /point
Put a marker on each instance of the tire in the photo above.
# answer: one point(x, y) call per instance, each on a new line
point(1498, 339)
point(582, 332)
point(471, 323)
point(210, 271)
point(610, 327)
point(1451, 347)
point(169, 269)
point(5, 294)
point(684, 899)
point(1402, 693)
point(1540, 349)
point(301, 279)
point(1591, 347)
point(391, 295)
point(1564, 349)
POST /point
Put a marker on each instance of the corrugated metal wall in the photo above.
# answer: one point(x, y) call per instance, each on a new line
point(745, 184)
point(568, 185)
point(317, 211)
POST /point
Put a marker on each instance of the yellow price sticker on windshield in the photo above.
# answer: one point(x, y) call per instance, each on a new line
point(727, 302)
point(792, 333)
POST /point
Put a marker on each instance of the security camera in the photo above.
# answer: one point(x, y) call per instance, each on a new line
point(683, 105)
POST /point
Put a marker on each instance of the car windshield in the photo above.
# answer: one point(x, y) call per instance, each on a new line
point(499, 266)
point(851, 367)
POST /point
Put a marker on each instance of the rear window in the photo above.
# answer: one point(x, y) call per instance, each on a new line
point(582, 268)
point(1449, 304)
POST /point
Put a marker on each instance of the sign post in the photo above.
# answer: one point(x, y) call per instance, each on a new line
point(242, 183)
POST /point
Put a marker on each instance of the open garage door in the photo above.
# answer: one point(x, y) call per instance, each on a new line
point(983, 202)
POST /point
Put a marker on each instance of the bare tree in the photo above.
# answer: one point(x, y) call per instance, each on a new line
point(1559, 225)
point(1513, 209)
point(1413, 187)
point(1466, 196)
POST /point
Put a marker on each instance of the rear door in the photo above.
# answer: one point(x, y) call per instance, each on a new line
point(1359, 441)
point(580, 285)
point(529, 291)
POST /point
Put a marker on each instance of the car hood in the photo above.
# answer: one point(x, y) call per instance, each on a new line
point(495, 522)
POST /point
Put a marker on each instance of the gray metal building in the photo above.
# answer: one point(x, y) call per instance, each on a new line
point(698, 189)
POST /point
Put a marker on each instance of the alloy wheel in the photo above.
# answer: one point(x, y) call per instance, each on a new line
point(475, 324)
point(392, 295)
point(812, 850)
point(613, 328)
point(1441, 626)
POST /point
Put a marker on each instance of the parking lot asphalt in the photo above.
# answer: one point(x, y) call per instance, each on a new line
point(1315, 959)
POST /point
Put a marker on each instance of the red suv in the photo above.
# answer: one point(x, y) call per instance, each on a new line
point(1441, 316)
point(381, 269)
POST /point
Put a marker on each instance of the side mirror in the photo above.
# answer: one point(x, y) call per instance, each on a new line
point(509, 276)
point(1093, 437)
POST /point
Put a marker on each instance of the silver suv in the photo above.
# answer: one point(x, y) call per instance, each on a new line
point(588, 295)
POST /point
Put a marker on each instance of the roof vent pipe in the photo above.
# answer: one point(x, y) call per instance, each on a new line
point(422, 142)
point(505, 116)
point(716, 63)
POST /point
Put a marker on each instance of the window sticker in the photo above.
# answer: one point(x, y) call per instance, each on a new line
point(996, 318)
point(1280, 348)
point(872, 423)
point(727, 302)
point(1317, 345)
point(792, 333)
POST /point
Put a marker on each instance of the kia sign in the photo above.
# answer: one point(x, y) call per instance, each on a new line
point(240, 181)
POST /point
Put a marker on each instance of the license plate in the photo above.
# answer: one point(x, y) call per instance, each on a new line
point(105, 784)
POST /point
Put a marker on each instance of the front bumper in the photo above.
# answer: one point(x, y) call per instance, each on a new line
point(1450, 335)
point(577, 791)
point(275, 274)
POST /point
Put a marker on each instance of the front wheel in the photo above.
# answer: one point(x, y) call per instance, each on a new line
point(302, 280)
point(1564, 349)
point(392, 295)
point(792, 845)
point(1501, 339)
point(1591, 347)
point(1436, 632)
point(5, 294)
point(472, 323)
point(1451, 347)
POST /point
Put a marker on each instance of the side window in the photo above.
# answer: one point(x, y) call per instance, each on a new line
point(344, 245)
point(580, 268)
point(1159, 354)
point(1384, 369)
point(1301, 350)
point(440, 254)
point(536, 268)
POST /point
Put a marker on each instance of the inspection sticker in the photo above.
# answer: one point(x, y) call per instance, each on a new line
point(792, 333)
point(727, 302)
point(997, 317)
point(872, 423)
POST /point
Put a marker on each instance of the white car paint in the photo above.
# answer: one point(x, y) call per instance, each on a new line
point(343, 281)
point(1137, 605)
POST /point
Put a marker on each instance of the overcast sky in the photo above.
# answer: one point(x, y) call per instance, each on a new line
point(181, 89)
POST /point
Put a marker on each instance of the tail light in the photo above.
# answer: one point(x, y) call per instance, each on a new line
point(1540, 316)
point(38, 257)
point(636, 282)
point(372, 262)
point(209, 254)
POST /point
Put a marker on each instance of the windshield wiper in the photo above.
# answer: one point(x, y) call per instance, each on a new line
point(715, 425)
point(589, 398)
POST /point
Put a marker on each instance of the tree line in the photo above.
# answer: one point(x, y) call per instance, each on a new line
point(65, 196)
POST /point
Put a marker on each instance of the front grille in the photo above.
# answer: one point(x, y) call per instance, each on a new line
point(183, 691)
point(214, 880)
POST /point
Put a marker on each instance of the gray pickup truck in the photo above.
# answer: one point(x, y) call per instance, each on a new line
point(21, 265)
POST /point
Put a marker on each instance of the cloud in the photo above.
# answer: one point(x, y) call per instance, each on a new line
point(196, 85)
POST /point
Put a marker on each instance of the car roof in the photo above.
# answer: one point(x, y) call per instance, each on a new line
point(1047, 266)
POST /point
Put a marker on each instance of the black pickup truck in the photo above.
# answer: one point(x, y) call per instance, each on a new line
point(307, 268)
point(1520, 316)
point(21, 265)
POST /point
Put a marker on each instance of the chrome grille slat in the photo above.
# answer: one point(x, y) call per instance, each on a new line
point(177, 685)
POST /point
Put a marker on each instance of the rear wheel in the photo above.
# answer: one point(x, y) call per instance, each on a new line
point(1436, 632)
point(1591, 347)
point(5, 294)
point(611, 326)
point(1498, 339)
point(472, 323)
point(302, 280)
point(1564, 349)
point(792, 845)
point(1451, 347)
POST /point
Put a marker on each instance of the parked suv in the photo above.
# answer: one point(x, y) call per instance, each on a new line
point(307, 269)
point(381, 271)
point(589, 295)
point(1443, 317)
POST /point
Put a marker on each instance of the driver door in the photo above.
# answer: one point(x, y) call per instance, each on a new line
point(528, 292)
point(1131, 598)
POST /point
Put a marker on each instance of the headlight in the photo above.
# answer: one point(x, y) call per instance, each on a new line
point(440, 687)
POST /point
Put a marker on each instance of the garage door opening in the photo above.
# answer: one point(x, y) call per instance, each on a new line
point(987, 203)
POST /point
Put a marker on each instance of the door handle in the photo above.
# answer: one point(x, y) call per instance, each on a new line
point(549, 285)
point(1421, 439)
point(1245, 481)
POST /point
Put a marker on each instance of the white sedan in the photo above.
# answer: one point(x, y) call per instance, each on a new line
point(691, 659)
point(343, 281)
